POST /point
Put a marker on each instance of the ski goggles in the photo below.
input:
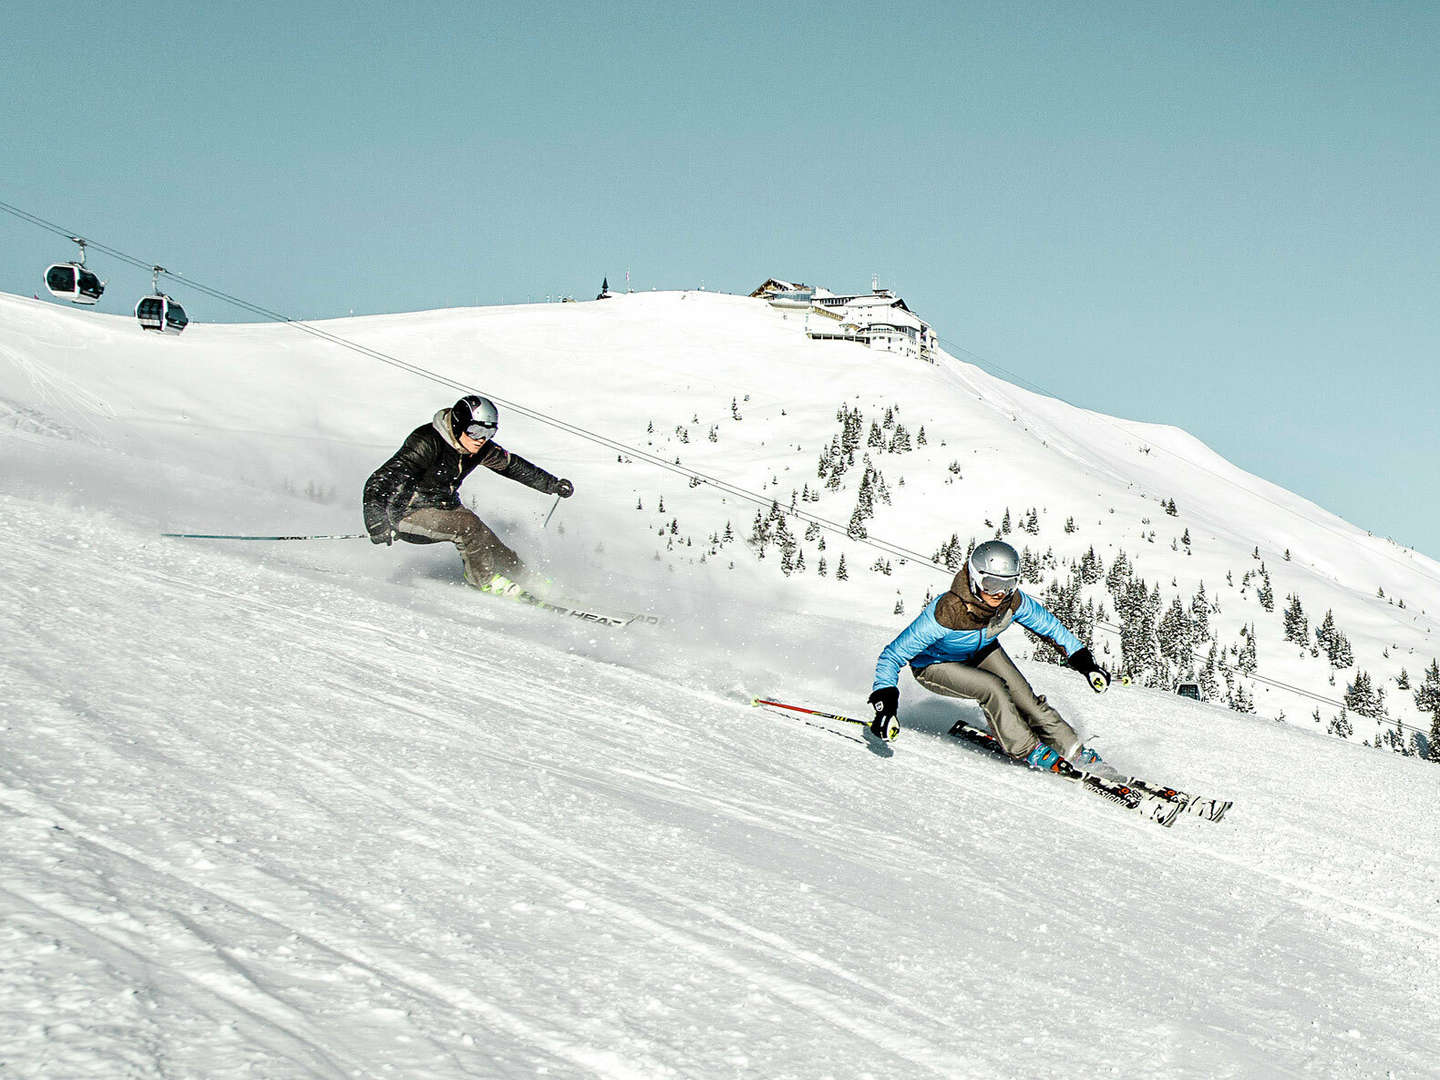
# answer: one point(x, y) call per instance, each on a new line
point(480, 432)
point(994, 583)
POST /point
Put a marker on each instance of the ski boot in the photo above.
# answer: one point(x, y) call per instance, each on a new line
point(1046, 759)
point(500, 585)
point(1087, 760)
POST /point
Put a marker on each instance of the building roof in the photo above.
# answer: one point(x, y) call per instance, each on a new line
point(774, 285)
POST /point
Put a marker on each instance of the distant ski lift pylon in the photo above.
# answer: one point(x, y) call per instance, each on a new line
point(159, 312)
point(71, 281)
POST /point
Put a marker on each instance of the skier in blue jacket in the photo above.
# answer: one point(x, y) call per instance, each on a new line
point(953, 649)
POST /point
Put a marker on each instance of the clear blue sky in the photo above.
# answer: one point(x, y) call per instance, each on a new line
point(1223, 216)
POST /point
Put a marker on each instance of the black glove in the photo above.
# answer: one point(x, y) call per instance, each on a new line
point(885, 701)
point(377, 524)
point(1085, 664)
point(563, 488)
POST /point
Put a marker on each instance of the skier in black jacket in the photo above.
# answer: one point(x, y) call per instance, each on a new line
point(415, 496)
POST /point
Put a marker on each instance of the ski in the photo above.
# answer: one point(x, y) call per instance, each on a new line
point(1203, 807)
point(511, 591)
point(1130, 796)
point(1207, 809)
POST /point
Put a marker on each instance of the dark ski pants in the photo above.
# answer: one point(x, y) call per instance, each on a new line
point(1019, 718)
point(483, 553)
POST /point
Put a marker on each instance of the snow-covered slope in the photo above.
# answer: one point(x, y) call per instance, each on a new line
point(279, 412)
point(317, 810)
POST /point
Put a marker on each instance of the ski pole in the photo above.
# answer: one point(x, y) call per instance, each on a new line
point(552, 512)
point(233, 536)
point(892, 731)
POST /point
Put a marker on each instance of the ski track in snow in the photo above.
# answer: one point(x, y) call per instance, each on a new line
point(330, 863)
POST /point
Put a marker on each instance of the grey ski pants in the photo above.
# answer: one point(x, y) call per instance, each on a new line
point(482, 552)
point(1018, 717)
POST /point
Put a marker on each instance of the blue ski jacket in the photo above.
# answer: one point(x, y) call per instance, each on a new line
point(926, 641)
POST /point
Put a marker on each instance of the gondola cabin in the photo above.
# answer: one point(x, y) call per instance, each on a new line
point(161, 314)
point(71, 281)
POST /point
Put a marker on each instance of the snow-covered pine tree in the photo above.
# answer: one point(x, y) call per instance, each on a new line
point(850, 432)
point(1118, 577)
point(1340, 725)
point(1139, 650)
point(1341, 655)
point(1200, 615)
point(1249, 652)
point(1363, 698)
point(1174, 636)
point(882, 489)
point(856, 529)
point(759, 535)
point(1427, 694)
point(1209, 681)
point(1297, 627)
point(1265, 594)
point(1031, 572)
point(949, 553)
point(1243, 701)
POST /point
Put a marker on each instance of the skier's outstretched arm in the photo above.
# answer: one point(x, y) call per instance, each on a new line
point(1035, 616)
point(517, 468)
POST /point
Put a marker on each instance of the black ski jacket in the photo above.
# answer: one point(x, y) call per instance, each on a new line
point(427, 471)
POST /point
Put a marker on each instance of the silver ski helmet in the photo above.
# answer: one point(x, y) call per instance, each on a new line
point(994, 568)
point(475, 416)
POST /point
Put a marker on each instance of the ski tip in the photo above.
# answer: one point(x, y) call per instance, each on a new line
point(1165, 812)
point(1208, 809)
